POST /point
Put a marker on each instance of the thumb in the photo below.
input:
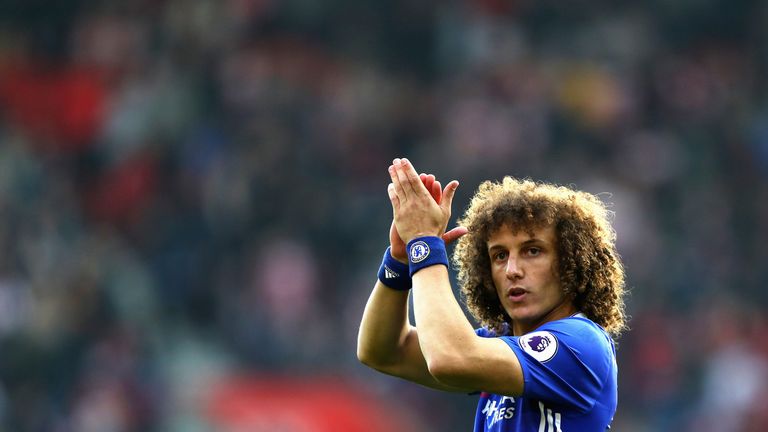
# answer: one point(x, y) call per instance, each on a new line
point(393, 197)
point(452, 235)
point(448, 193)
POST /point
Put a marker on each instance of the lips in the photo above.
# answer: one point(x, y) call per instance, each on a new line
point(516, 294)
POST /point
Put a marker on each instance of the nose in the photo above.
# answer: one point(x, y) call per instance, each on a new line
point(513, 271)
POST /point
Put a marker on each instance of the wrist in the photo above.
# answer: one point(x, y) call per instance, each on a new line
point(393, 273)
point(426, 251)
point(418, 235)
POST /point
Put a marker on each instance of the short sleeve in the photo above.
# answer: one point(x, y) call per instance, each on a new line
point(484, 332)
point(564, 362)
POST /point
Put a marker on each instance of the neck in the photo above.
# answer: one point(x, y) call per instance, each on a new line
point(562, 310)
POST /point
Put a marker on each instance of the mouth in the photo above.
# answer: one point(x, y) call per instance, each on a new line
point(516, 294)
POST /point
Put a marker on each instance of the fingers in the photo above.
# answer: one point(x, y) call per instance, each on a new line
point(396, 187)
point(407, 182)
point(432, 186)
point(428, 180)
point(411, 177)
point(399, 178)
point(436, 191)
point(452, 235)
point(402, 185)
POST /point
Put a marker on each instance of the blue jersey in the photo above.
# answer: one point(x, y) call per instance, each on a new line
point(569, 371)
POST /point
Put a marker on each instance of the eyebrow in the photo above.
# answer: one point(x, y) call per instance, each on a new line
point(529, 242)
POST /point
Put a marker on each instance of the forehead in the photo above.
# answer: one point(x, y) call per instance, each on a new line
point(506, 234)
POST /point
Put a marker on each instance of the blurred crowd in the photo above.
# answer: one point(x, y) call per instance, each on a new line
point(191, 189)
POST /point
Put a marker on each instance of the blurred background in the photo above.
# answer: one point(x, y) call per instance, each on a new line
point(193, 197)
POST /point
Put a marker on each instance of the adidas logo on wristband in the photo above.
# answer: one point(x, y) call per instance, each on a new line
point(389, 273)
point(393, 273)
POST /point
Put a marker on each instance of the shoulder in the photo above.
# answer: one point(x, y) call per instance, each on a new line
point(579, 336)
point(577, 328)
point(566, 361)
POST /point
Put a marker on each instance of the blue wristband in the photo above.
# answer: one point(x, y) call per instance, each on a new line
point(393, 273)
point(425, 252)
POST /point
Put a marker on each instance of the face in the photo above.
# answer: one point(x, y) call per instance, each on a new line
point(524, 269)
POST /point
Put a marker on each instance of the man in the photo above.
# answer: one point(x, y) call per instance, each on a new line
point(540, 273)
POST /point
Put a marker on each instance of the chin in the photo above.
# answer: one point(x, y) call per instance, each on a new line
point(519, 311)
point(525, 316)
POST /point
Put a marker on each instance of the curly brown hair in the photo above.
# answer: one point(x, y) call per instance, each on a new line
point(589, 267)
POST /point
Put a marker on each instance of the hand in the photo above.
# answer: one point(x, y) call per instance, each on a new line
point(417, 210)
point(397, 245)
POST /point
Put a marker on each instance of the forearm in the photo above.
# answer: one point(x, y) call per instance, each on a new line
point(389, 344)
point(445, 335)
point(384, 327)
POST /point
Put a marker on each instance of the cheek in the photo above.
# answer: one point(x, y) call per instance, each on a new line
point(554, 288)
point(550, 282)
point(497, 282)
point(497, 273)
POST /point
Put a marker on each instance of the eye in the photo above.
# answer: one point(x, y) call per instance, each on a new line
point(500, 256)
point(533, 251)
